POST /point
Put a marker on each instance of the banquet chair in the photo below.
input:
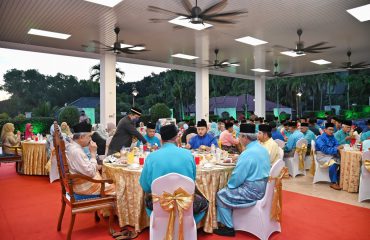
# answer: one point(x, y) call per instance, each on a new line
point(364, 188)
point(280, 143)
point(292, 163)
point(159, 218)
point(321, 174)
point(16, 157)
point(366, 145)
point(281, 153)
point(79, 203)
point(256, 219)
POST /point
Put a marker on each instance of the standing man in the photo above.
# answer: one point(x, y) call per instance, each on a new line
point(265, 139)
point(344, 135)
point(327, 153)
point(247, 183)
point(126, 130)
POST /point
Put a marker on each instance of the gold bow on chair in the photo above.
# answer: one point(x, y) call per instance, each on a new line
point(313, 163)
point(367, 165)
point(277, 204)
point(180, 199)
point(301, 154)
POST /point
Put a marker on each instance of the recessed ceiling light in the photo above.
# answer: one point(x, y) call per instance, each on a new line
point(184, 56)
point(361, 13)
point(137, 48)
point(108, 3)
point(292, 54)
point(320, 62)
point(260, 70)
point(48, 34)
point(251, 41)
point(235, 64)
point(182, 21)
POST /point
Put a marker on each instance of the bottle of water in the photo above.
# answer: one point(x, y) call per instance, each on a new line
point(141, 148)
point(213, 149)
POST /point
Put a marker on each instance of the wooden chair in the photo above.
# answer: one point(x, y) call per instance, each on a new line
point(79, 203)
point(6, 158)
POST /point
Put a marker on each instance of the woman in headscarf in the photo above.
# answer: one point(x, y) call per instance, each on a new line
point(9, 139)
point(28, 134)
point(65, 129)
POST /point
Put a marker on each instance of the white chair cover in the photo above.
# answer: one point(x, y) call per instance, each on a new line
point(256, 219)
point(366, 145)
point(281, 153)
point(321, 174)
point(159, 217)
point(292, 163)
point(280, 143)
point(364, 188)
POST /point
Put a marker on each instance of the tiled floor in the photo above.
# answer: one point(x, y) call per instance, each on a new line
point(304, 185)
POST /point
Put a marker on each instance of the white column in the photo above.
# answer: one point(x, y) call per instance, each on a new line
point(107, 88)
point(260, 83)
point(260, 96)
point(202, 79)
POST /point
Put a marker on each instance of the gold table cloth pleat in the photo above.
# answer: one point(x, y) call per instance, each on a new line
point(34, 157)
point(350, 168)
point(130, 195)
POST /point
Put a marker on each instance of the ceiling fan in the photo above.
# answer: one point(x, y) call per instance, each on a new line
point(216, 64)
point(196, 15)
point(348, 65)
point(118, 46)
point(300, 49)
point(279, 74)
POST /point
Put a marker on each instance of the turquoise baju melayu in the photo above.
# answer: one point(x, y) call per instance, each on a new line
point(247, 183)
point(365, 136)
point(153, 140)
point(309, 136)
point(292, 140)
point(341, 137)
point(168, 159)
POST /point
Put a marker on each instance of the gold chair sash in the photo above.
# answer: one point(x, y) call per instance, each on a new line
point(328, 163)
point(313, 164)
point(367, 165)
point(277, 204)
point(301, 154)
point(180, 199)
point(48, 164)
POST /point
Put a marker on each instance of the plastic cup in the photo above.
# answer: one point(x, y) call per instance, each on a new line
point(36, 139)
point(197, 160)
point(145, 148)
point(141, 161)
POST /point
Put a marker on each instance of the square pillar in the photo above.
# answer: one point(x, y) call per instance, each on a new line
point(107, 88)
point(202, 78)
point(260, 96)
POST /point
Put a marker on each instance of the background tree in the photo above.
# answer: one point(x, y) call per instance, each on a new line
point(159, 110)
point(70, 115)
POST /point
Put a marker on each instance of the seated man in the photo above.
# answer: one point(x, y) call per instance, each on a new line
point(345, 134)
point(191, 129)
point(264, 137)
point(308, 135)
point(275, 134)
point(150, 136)
point(170, 159)
point(293, 138)
point(312, 125)
point(247, 183)
point(202, 138)
point(327, 154)
point(366, 135)
point(80, 163)
point(284, 130)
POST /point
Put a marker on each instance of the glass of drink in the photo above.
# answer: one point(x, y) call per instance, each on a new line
point(197, 160)
point(141, 160)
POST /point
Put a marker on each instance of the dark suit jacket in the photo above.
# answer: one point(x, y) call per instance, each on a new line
point(123, 135)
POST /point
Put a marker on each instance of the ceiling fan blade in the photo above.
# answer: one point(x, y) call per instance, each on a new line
point(187, 5)
point(360, 64)
point(127, 51)
point(316, 45)
point(162, 10)
point(215, 7)
point(312, 51)
point(225, 14)
point(280, 46)
point(158, 20)
point(220, 21)
point(97, 42)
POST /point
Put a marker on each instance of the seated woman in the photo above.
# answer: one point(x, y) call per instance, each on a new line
point(228, 141)
point(66, 130)
point(10, 140)
point(28, 134)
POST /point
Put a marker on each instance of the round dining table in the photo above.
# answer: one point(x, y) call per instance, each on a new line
point(350, 169)
point(130, 195)
point(34, 157)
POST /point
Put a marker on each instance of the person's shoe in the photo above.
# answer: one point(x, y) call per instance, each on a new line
point(225, 231)
point(335, 186)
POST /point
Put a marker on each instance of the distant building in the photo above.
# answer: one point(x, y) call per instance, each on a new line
point(88, 104)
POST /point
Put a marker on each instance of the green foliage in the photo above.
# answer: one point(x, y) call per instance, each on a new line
point(70, 115)
point(4, 116)
point(43, 110)
point(20, 117)
point(40, 124)
point(160, 110)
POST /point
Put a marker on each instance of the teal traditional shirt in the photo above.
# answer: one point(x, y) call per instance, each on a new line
point(154, 140)
point(168, 159)
point(365, 136)
point(253, 164)
point(309, 136)
point(292, 140)
point(341, 137)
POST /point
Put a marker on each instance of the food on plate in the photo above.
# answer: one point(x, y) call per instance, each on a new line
point(117, 155)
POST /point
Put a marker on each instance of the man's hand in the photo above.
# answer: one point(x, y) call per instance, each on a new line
point(340, 147)
point(93, 147)
point(187, 146)
point(348, 137)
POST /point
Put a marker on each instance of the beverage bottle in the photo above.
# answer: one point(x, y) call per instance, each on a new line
point(213, 149)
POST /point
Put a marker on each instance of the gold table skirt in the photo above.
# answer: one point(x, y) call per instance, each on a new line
point(130, 195)
point(350, 167)
point(34, 158)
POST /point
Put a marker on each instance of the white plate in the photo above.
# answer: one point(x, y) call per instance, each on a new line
point(208, 166)
point(226, 164)
point(133, 166)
